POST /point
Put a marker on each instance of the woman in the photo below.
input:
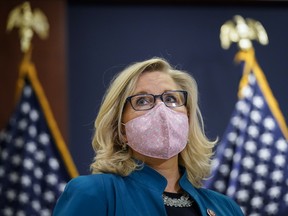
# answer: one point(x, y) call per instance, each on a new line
point(151, 150)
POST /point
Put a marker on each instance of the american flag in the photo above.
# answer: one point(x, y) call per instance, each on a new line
point(250, 164)
point(32, 172)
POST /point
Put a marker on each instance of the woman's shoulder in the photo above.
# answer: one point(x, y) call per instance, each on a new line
point(81, 194)
point(220, 199)
point(90, 182)
point(216, 196)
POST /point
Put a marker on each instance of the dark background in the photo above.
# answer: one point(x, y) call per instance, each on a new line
point(104, 38)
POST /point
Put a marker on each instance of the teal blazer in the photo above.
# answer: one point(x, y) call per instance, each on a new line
point(138, 194)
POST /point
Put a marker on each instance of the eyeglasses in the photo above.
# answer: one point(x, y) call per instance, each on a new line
point(174, 98)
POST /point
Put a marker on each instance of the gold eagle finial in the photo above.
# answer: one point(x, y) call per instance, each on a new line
point(27, 21)
point(242, 31)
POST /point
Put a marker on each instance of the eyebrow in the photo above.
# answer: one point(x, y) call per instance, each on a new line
point(145, 92)
point(141, 92)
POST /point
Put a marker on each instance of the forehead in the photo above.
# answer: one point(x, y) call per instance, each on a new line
point(155, 82)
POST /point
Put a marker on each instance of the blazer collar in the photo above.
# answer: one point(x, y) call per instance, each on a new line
point(149, 177)
point(153, 180)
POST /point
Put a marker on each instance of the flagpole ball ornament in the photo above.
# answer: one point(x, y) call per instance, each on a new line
point(242, 31)
point(27, 21)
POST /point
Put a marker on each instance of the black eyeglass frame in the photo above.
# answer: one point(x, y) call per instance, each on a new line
point(185, 93)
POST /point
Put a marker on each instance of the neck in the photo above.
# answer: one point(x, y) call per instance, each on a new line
point(169, 169)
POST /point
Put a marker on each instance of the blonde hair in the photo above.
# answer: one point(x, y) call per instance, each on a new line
point(108, 139)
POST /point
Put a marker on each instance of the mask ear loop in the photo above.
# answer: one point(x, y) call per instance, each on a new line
point(124, 147)
point(123, 144)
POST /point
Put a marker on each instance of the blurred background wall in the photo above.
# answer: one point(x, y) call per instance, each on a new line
point(90, 42)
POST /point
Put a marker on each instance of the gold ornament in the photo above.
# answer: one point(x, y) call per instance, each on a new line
point(27, 21)
point(242, 31)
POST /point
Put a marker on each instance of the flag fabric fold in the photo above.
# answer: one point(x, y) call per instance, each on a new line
point(34, 161)
point(250, 164)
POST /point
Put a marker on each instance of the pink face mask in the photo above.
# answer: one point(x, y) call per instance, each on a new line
point(160, 133)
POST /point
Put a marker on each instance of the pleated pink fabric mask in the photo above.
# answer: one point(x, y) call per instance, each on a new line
point(160, 133)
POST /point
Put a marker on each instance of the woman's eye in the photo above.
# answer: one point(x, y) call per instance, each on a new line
point(170, 99)
point(142, 101)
